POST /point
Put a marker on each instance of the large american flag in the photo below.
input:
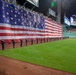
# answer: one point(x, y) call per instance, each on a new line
point(23, 24)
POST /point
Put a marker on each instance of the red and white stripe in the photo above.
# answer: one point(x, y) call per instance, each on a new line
point(9, 32)
point(53, 28)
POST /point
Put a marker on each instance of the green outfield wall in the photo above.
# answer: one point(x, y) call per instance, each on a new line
point(67, 34)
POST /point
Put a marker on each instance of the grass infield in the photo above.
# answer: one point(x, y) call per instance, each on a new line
point(59, 55)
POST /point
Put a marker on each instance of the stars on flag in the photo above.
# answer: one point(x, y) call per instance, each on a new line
point(7, 21)
point(15, 22)
point(3, 8)
point(11, 18)
point(11, 11)
point(18, 19)
point(6, 5)
point(16, 16)
point(19, 13)
point(3, 16)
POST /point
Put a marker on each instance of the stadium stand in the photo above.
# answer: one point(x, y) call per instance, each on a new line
point(69, 31)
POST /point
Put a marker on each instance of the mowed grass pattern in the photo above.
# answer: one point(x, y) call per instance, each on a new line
point(59, 55)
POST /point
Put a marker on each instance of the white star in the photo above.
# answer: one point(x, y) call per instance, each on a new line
point(18, 12)
point(7, 5)
point(2, 7)
point(7, 13)
point(21, 10)
point(21, 16)
point(3, 16)
point(7, 20)
point(15, 22)
point(24, 14)
point(18, 19)
point(11, 11)
point(15, 15)
point(22, 23)
point(11, 18)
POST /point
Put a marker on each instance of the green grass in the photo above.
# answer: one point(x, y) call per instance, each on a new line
point(59, 55)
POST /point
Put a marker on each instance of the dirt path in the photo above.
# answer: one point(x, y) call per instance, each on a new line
point(14, 67)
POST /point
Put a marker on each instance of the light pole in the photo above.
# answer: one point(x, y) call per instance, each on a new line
point(59, 11)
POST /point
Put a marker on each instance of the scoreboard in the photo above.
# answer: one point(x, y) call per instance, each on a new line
point(73, 20)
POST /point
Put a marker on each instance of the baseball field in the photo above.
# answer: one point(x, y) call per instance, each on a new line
point(60, 55)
